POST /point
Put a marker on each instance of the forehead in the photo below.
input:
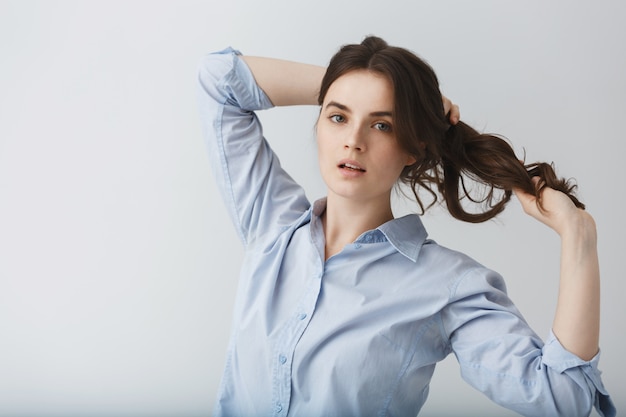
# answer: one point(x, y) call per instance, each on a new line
point(362, 90)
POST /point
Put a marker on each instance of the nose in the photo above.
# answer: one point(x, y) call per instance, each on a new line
point(355, 139)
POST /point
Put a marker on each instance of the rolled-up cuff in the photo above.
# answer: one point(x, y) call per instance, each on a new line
point(561, 360)
point(242, 88)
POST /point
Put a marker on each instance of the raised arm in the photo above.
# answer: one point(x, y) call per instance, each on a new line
point(286, 83)
point(289, 83)
point(259, 195)
point(577, 319)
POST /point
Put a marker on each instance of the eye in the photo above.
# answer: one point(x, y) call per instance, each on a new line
point(337, 118)
point(382, 126)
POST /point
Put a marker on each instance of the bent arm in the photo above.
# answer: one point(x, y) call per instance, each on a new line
point(289, 83)
point(501, 356)
point(259, 195)
point(577, 318)
point(286, 83)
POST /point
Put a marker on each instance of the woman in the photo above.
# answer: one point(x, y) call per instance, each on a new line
point(344, 310)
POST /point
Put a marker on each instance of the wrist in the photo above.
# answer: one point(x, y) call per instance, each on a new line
point(581, 229)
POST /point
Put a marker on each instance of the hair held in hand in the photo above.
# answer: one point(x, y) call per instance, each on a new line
point(463, 166)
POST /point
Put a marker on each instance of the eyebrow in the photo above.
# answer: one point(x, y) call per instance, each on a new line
point(347, 109)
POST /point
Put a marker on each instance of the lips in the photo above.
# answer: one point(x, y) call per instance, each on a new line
point(351, 165)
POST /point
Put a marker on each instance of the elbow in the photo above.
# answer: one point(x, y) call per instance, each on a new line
point(576, 403)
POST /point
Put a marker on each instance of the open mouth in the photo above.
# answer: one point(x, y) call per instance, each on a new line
point(351, 167)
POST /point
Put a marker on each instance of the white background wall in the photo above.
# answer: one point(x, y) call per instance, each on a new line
point(117, 262)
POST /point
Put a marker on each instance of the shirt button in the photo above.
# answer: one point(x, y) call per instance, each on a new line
point(357, 246)
point(279, 408)
point(301, 316)
point(282, 359)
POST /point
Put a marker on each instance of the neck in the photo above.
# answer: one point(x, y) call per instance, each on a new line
point(344, 220)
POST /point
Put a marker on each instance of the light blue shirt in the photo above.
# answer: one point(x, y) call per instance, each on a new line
point(360, 333)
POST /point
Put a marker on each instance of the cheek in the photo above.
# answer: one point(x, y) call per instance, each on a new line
point(398, 157)
point(404, 157)
point(320, 146)
point(324, 142)
point(322, 151)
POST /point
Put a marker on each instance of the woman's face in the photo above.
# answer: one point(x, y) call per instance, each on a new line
point(359, 155)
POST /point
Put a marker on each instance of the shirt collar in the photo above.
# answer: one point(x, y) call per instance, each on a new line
point(406, 234)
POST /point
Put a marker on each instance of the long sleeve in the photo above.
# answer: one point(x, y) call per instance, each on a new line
point(259, 195)
point(502, 357)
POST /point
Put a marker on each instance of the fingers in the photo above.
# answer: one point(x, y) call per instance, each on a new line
point(451, 110)
point(455, 114)
point(536, 181)
point(528, 201)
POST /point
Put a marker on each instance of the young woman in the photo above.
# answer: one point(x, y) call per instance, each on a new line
point(342, 309)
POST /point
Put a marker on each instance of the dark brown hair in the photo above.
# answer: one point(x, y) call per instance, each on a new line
point(446, 154)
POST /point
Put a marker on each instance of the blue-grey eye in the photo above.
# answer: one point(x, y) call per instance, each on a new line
point(337, 118)
point(383, 127)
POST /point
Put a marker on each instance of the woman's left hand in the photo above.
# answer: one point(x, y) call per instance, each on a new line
point(558, 212)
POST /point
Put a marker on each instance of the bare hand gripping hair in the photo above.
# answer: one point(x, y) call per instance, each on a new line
point(446, 155)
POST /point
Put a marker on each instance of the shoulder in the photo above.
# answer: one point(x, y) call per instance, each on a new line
point(447, 260)
point(460, 272)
